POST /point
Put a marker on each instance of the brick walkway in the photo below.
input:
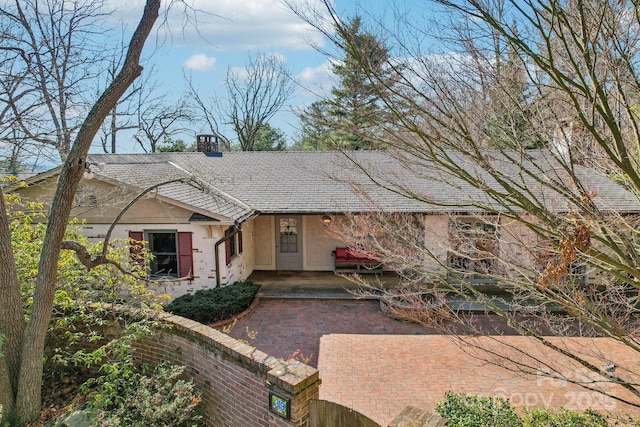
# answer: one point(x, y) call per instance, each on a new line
point(280, 327)
point(377, 365)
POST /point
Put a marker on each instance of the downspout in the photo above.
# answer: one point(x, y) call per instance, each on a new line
point(215, 253)
point(216, 259)
point(237, 224)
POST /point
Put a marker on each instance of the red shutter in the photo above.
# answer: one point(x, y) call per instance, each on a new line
point(185, 254)
point(227, 247)
point(136, 246)
point(239, 242)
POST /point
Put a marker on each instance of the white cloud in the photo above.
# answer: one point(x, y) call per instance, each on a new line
point(317, 81)
point(314, 74)
point(200, 62)
point(229, 25)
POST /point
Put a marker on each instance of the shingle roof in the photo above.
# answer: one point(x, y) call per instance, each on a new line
point(145, 171)
point(330, 182)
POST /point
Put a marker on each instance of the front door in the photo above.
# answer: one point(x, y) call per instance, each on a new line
point(288, 242)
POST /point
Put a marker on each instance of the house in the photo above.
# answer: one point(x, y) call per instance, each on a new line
point(250, 211)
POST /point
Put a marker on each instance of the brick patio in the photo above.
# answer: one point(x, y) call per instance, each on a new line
point(378, 376)
point(284, 326)
point(377, 365)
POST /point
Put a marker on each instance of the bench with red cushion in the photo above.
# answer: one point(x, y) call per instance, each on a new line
point(347, 258)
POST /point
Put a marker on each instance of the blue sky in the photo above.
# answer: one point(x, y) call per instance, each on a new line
point(226, 33)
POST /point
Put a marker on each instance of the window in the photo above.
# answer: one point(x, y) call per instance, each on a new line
point(578, 274)
point(164, 247)
point(233, 245)
point(474, 246)
point(172, 253)
point(85, 197)
point(288, 235)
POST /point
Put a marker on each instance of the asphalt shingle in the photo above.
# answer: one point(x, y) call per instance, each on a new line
point(333, 182)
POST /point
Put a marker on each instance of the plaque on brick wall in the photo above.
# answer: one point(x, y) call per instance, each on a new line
point(279, 405)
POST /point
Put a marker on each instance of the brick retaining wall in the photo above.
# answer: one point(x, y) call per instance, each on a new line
point(234, 378)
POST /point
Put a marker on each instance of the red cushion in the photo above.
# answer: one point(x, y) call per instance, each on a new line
point(345, 255)
point(342, 253)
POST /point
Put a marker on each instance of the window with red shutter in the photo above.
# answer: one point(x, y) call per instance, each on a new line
point(185, 254)
point(229, 246)
point(172, 252)
point(164, 247)
point(135, 247)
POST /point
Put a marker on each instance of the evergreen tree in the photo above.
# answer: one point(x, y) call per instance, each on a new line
point(175, 146)
point(269, 138)
point(511, 120)
point(350, 118)
point(315, 134)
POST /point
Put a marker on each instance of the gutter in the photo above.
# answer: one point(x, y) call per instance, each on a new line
point(238, 223)
point(216, 252)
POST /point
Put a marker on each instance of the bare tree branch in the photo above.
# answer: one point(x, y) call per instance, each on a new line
point(519, 118)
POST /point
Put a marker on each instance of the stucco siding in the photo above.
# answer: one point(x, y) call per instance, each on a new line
point(98, 202)
point(318, 245)
point(264, 243)
point(436, 239)
point(242, 265)
point(248, 253)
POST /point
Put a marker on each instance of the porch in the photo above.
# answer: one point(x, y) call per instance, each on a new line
point(328, 285)
point(310, 284)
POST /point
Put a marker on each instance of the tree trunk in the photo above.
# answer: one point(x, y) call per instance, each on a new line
point(12, 323)
point(114, 129)
point(28, 396)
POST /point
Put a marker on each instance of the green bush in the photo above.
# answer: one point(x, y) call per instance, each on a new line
point(158, 398)
point(546, 418)
point(213, 305)
point(462, 410)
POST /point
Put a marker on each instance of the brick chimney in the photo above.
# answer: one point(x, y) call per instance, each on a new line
point(208, 144)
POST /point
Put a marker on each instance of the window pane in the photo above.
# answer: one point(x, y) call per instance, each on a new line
point(474, 244)
point(288, 226)
point(162, 242)
point(288, 235)
point(165, 265)
point(288, 243)
point(162, 246)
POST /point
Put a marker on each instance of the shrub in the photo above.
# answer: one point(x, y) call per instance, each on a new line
point(473, 411)
point(546, 418)
point(462, 410)
point(159, 398)
point(213, 305)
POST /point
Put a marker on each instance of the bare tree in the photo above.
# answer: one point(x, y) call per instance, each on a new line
point(208, 111)
point(123, 115)
point(253, 96)
point(47, 60)
point(13, 142)
point(23, 340)
point(529, 222)
point(159, 120)
point(147, 110)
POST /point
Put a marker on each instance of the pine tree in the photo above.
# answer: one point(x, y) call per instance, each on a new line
point(350, 118)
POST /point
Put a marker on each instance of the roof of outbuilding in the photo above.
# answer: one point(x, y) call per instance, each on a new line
point(238, 183)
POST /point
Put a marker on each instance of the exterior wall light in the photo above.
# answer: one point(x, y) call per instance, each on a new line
point(88, 173)
point(326, 220)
